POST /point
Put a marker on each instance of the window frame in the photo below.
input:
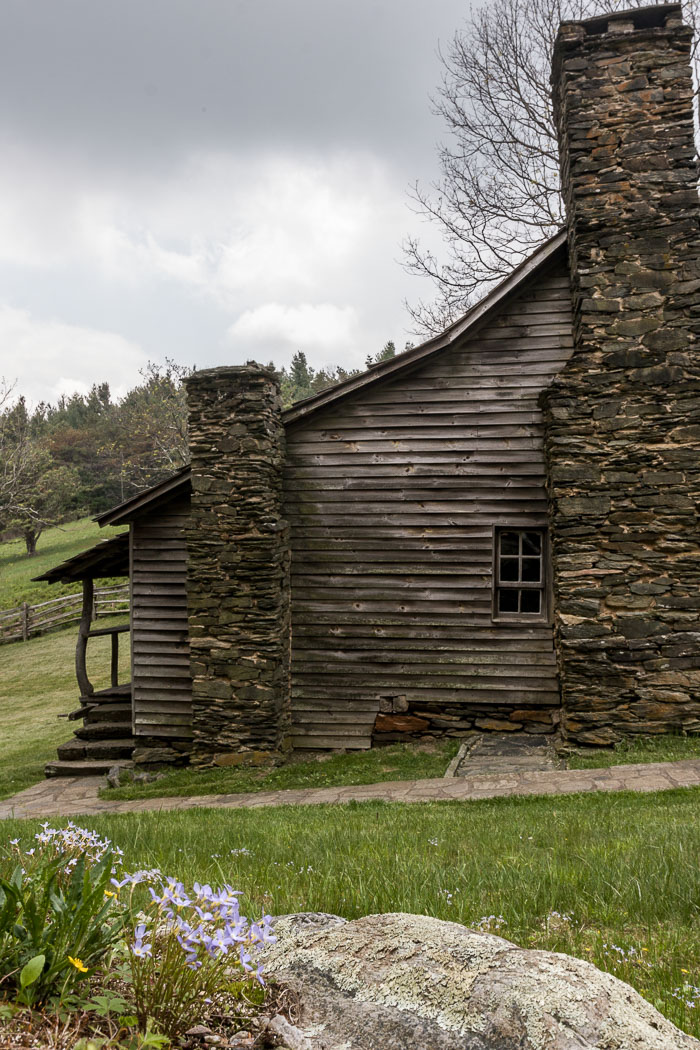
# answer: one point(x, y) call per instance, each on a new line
point(543, 586)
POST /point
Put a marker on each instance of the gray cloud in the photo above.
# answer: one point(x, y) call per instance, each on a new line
point(144, 81)
point(210, 179)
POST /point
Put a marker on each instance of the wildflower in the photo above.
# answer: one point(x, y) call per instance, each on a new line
point(139, 949)
point(78, 963)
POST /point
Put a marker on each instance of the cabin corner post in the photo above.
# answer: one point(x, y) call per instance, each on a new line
point(238, 564)
point(622, 439)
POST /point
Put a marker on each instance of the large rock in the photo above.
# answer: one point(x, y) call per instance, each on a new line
point(399, 982)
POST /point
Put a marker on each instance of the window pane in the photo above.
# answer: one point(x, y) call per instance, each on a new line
point(532, 543)
point(508, 600)
point(530, 601)
point(509, 543)
point(531, 570)
point(509, 569)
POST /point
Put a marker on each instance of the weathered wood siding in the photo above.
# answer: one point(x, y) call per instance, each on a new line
point(162, 684)
point(392, 496)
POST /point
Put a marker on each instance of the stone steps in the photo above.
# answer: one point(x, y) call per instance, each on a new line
point(81, 768)
point(111, 712)
point(108, 751)
point(116, 730)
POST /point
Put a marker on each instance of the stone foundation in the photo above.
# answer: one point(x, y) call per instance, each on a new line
point(622, 421)
point(399, 722)
point(237, 567)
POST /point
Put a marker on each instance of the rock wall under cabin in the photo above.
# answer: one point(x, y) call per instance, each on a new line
point(623, 437)
point(160, 653)
point(393, 496)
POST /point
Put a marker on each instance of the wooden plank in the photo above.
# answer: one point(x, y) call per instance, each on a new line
point(544, 697)
point(530, 663)
point(160, 730)
point(152, 717)
point(305, 741)
point(181, 708)
point(149, 691)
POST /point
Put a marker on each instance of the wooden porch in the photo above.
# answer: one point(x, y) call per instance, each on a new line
point(104, 735)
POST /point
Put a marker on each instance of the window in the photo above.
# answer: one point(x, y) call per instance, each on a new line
point(520, 576)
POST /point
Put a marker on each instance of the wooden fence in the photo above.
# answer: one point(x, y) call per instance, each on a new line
point(22, 623)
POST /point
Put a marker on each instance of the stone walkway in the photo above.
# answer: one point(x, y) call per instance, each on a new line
point(78, 796)
point(496, 753)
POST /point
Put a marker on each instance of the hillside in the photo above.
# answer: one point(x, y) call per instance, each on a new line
point(55, 546)
point(37, 683)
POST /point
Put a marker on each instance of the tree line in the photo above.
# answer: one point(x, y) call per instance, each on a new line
point(88, 452)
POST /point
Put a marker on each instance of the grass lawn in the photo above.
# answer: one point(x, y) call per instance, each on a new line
point(396, 762)
point(55, 545)
point(610, 878)
point(37, 683)
point(665, 748)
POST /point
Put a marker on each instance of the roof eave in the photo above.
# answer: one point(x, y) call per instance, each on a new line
point(104, 559)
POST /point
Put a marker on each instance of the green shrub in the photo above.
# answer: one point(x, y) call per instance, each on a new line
point(58, 913)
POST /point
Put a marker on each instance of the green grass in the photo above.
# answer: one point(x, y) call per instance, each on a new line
point(37, 683)
point(624, 867)
point(667, 748)
point(55, 545)
point(396, 762)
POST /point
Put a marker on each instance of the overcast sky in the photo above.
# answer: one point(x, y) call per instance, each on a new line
point(209, 180)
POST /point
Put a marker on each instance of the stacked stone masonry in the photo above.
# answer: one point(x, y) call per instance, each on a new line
point(238, 567)
point(622, 419)
point(399, 721)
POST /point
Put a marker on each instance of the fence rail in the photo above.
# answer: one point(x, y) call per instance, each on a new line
point(22, 623)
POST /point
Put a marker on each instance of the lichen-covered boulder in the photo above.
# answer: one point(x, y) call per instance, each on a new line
point(399, 982)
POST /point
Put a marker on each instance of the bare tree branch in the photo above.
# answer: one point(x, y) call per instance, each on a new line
point(498, 196)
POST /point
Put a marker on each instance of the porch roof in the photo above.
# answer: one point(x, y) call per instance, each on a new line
point(107, 558)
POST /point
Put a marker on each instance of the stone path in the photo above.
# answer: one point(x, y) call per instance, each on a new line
point(77, 796)
point(497, 753)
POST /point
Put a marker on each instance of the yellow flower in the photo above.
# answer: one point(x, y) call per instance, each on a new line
point(108, 893)
point(684, 971)
point(78, 963)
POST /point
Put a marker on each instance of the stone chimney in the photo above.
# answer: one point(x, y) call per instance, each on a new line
point(622, 421)
point(237, 567)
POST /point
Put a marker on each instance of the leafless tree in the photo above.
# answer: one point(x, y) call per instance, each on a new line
point(498, 195)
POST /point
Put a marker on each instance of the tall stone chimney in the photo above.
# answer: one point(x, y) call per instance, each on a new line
point(622, 421)
point(237, 566)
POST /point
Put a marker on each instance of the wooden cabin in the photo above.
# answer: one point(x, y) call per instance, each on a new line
point(417, 511)
point(497, 529)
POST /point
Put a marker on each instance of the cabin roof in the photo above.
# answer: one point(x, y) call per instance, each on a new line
point(107, 558)
point(478, 313)
point(179, 484)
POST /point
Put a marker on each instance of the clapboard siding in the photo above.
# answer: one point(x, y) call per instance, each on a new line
point(162, 684)
point(392, 497)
